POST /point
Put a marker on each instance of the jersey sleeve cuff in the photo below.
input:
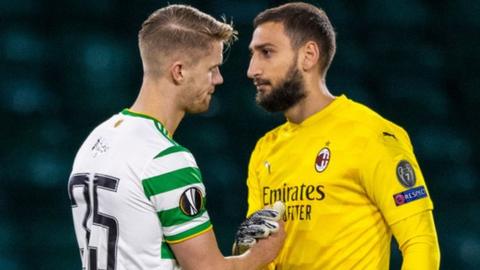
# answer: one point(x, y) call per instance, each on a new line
point(191, 233)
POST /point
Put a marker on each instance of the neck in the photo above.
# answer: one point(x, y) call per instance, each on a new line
point(317, 98)
point(157, 99)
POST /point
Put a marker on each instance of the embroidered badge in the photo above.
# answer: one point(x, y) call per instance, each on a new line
point(406, 174)
point(322, 160)
point(118, 123)
point(410, 195)
point(101, 146)
point(191, 201)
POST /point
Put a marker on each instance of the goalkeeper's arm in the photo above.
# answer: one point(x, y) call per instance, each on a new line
point(417, 239)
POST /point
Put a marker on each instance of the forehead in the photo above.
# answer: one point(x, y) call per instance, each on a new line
point(216, 52)
point(270, 33)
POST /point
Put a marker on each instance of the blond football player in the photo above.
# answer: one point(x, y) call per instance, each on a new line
point(137, 196)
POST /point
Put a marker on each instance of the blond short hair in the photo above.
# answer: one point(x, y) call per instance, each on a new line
point(180, 29)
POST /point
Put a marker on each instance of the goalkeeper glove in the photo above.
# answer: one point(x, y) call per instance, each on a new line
point(259, 225)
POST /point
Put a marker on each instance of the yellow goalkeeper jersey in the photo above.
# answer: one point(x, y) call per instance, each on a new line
point(345, 174)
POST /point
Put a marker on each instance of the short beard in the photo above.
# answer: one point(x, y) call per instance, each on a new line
point(290, 91)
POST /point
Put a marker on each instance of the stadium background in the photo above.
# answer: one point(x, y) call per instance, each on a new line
point(65, 66)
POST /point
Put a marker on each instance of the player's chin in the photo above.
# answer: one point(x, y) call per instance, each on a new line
point(199, 108)
point(260, 97)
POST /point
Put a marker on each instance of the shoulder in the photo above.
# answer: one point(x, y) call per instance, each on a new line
point(270, 137)
point(368, 122)
point(132, 139)
point(378, 134)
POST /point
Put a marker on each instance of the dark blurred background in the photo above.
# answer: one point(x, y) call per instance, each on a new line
point(65, 66)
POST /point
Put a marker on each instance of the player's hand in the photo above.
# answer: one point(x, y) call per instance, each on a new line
point(268, 248)
point(259, 225)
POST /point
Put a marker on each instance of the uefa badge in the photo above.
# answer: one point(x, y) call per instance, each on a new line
point(322, 160)
point(406, 174)
point(191, 201)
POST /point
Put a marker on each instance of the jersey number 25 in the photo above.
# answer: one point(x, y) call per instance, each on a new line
point(90, 187)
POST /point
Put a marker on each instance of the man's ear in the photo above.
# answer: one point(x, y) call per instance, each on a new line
point(177, 72)
point(311, 55)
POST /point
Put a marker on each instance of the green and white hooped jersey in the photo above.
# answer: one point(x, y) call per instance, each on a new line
point(133, 190)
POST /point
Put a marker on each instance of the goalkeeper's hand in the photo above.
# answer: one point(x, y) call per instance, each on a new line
point(259, 225)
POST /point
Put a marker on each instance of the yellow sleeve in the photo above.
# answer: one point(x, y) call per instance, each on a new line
point(417, 239)
point(254, 190)
point(392, 177)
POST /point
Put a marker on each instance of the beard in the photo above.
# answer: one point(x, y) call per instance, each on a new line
point(288, 93)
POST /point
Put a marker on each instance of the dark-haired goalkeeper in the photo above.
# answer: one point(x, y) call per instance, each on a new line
point(349, 177)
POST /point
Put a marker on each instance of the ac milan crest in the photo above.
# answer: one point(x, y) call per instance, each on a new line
point(322, 160)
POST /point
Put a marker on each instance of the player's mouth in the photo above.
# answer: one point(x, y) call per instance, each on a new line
point(261, 84)
point(262, 87)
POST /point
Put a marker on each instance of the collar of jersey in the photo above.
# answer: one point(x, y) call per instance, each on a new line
point(158, 124)
point(314, 118)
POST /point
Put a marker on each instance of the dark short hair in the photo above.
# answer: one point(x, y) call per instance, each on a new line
point(303, 22)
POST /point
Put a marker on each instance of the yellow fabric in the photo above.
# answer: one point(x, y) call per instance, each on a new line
point(417, 239)
point(338, 218)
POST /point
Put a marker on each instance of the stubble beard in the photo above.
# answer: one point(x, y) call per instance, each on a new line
point(289, 92)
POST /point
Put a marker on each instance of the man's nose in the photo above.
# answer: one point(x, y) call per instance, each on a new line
point(218, 79)
point(253, 69)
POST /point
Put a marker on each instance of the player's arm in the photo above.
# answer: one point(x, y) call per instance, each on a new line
point(393, 180)
point(417, 239)
point(202, 252)
point(173, 184)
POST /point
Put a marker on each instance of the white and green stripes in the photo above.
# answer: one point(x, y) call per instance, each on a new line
point(172, 149)
point(172, 162)
point(168, 200)
point(166, 251)
point(171, 180)
point(168, 176)
point(158, 125)
point(201, 227)
point(180, 231)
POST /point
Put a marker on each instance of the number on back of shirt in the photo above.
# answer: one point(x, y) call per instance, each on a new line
point(91, 187)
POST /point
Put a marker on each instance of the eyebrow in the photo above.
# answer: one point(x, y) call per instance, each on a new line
point(260, 46)
point(217, 65)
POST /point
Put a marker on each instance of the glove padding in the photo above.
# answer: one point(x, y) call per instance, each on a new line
point(259, 225)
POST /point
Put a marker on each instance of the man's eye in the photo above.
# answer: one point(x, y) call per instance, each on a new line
point(266, 52)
